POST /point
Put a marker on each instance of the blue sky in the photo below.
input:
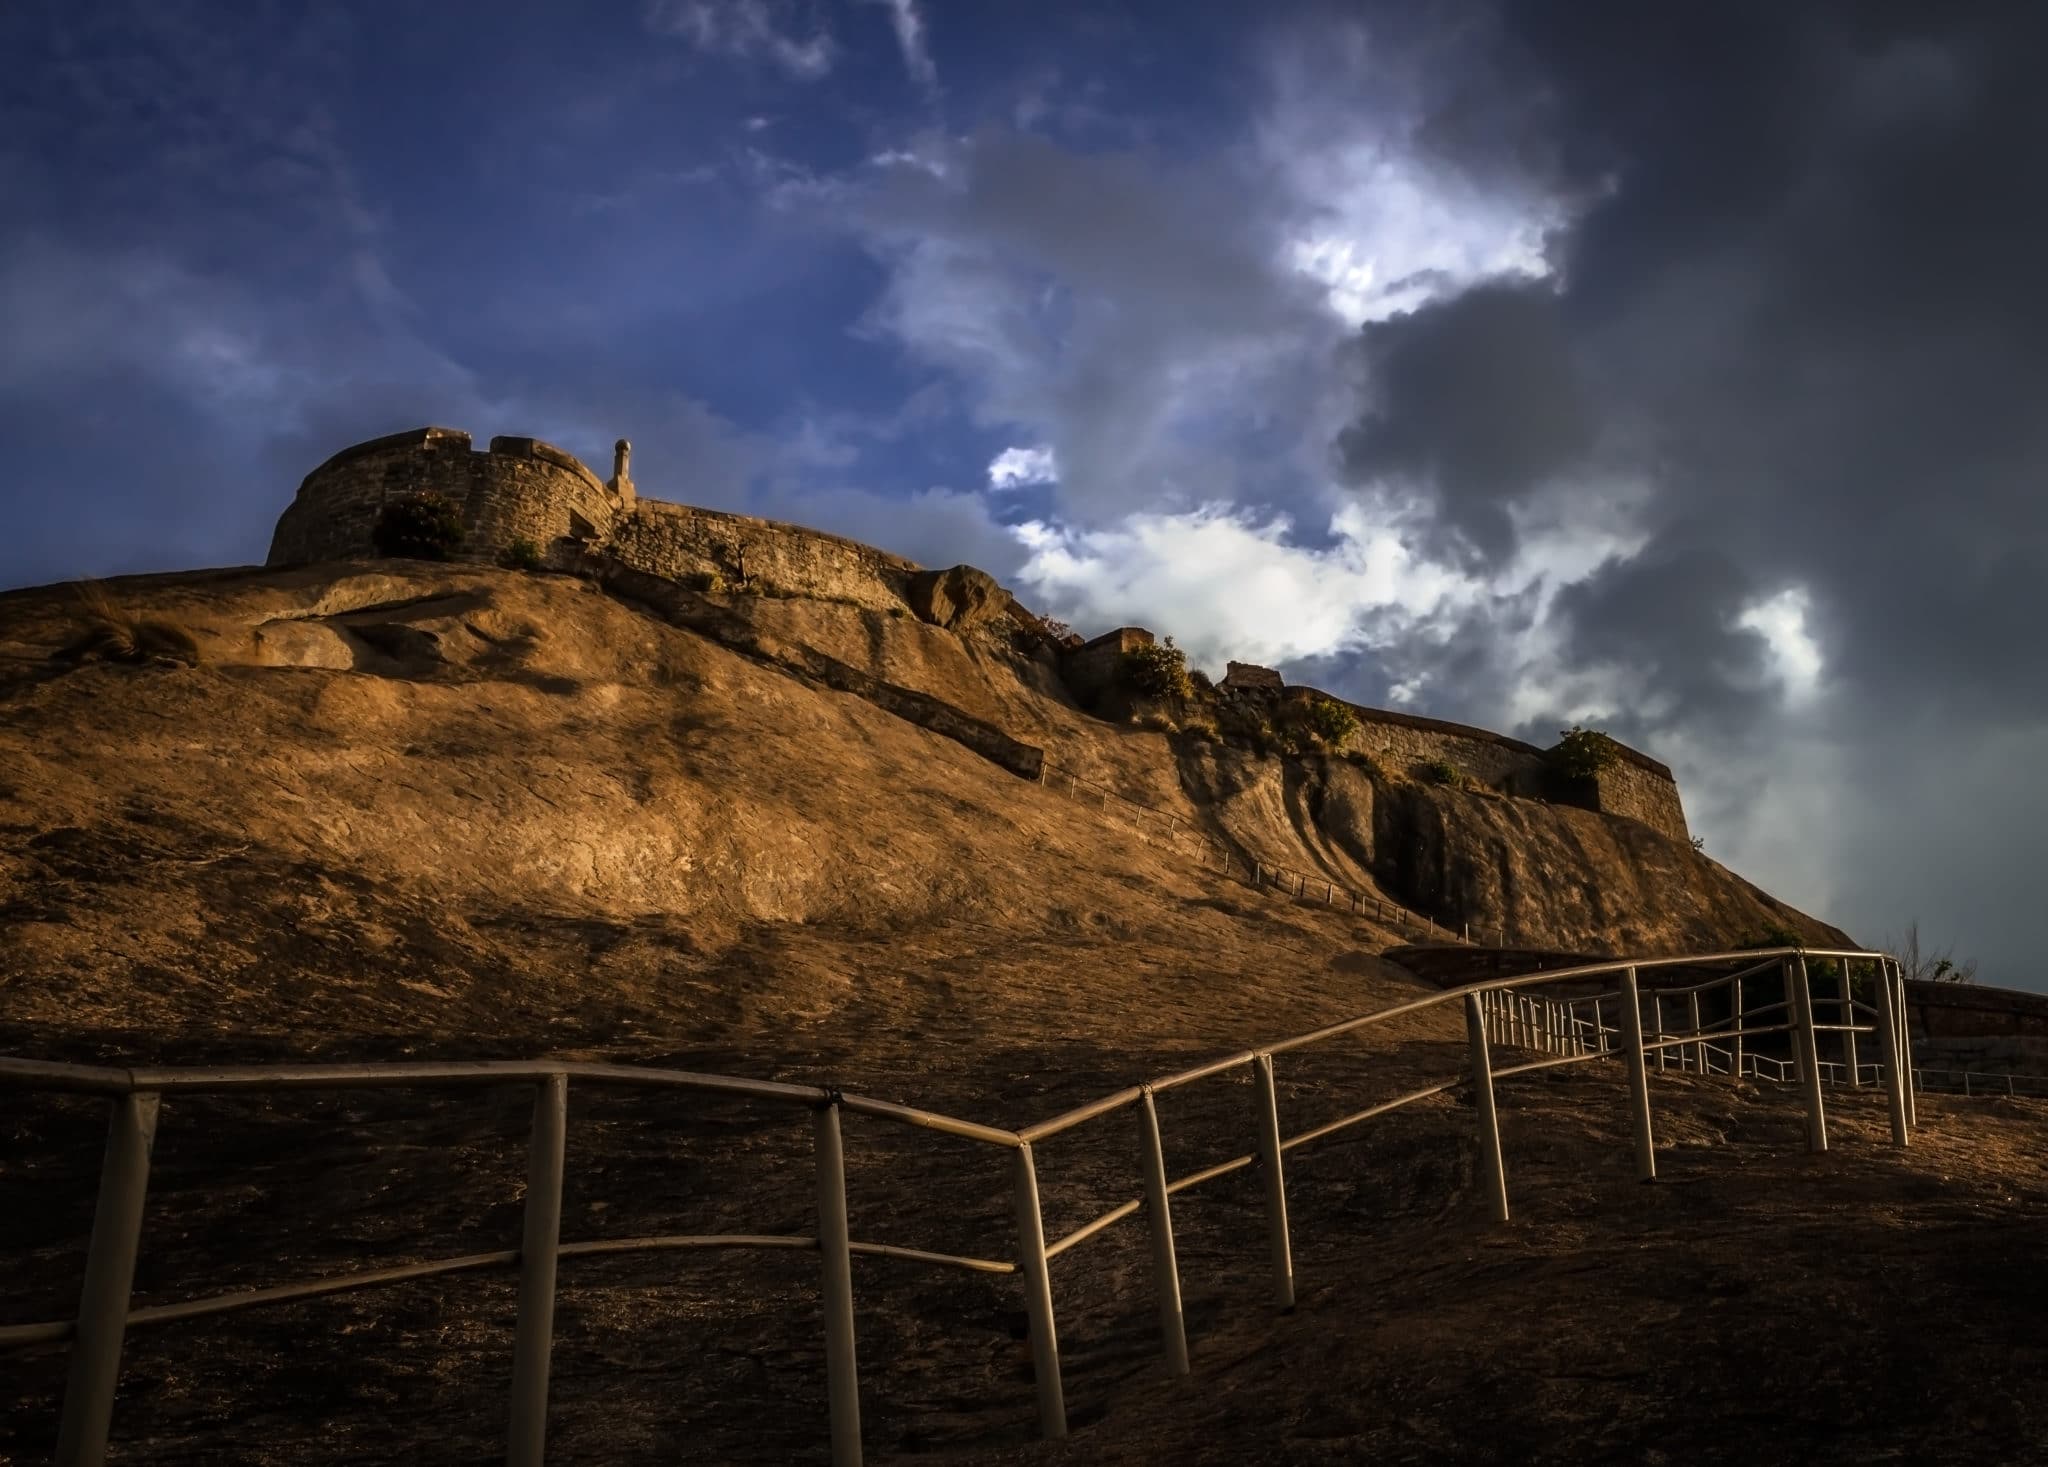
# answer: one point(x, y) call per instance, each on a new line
point(1515, 363)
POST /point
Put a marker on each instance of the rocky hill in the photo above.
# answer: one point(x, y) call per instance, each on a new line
point(392, 808)
point(395, 793)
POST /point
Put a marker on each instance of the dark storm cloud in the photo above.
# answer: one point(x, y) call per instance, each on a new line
point(1803, 294)
point(1808, 294)
point(1478, 398)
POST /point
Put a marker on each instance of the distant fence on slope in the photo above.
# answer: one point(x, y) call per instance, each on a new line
point(1496, 1013)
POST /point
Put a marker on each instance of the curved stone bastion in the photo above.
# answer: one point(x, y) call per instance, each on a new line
point(524, 490)
point(520, 489)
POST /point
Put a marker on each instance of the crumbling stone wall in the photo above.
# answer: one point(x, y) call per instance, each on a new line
point(521, 489)
point(1402, 742)
point(1091, 668)
point(680, 541)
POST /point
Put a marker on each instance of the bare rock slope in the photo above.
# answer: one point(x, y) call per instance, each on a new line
point(398, 794)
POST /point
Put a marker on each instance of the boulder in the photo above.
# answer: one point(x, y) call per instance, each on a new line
point(957, 598)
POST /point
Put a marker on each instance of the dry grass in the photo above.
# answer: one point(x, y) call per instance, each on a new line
point(108, 633)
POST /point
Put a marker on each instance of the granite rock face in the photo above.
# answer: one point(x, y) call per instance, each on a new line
point(957, 598)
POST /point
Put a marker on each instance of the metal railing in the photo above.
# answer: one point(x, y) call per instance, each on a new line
point(1261, 875)
point(1496, 1012)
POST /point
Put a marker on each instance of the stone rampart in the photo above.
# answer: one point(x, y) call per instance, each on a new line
point(1975, 1011)
point(1091, 668)
point(1642, 789)
point(1402, 742)
point(680, 541)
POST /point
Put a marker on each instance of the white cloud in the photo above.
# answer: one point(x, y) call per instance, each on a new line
point(749, 29)
point(1230, 585)
point(1380, 228)
point(1019, 468)
point(908, 23)
point(1795, 656)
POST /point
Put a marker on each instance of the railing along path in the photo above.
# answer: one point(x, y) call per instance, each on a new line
point(1497, 1012)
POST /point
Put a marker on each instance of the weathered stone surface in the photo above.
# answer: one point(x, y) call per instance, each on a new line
point(957, 598)
point(1250, 675)
point(521, 490)
point(685, 543)
point(1090, 669)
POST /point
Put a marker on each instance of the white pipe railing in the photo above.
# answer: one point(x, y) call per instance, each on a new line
point(1497, 1012)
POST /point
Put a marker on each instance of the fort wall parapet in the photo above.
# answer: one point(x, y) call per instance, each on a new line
point(682, 542)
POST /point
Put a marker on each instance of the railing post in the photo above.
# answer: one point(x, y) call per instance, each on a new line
point(1278, 1249)
point(1045, 1343)
point(842, 1368)
point(1906, 1046)
point(540, 1238)
point(1699, 1038)
point(1809, 1052)
point(1895, 1081)
point(1657, 1009)
point(1638, 1075)
point(1491, 1174)
point(1738, 1024)
point(95, 1367)
point(1173, 1333)
point(1849, 1024)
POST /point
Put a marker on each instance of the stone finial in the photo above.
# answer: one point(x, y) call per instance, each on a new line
point(622, 479)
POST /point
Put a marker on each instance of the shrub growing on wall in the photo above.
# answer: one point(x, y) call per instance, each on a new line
point(1330, 721)
point(1582, 753)
point(1158, 671)
point(422, 526)
point(522, 554)
point(1442, 771)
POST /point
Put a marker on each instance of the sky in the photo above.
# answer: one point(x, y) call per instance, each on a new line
point(1673, 369)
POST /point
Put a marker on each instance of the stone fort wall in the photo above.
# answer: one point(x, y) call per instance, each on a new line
point(680, 541)
point(522, 489)
point(1636, 785)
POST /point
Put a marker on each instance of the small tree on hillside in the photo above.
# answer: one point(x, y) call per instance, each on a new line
point(1159, 670)
point(1927, 964)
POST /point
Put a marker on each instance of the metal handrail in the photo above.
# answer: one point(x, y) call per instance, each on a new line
point(105, 1312)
